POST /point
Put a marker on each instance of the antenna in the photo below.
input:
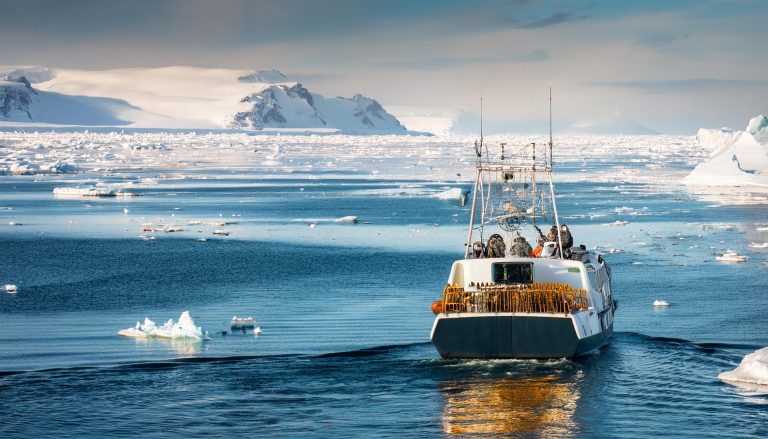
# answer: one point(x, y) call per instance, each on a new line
point(550, 127)
point(481, 122)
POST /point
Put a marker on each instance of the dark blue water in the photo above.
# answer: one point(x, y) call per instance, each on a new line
point(346, 320)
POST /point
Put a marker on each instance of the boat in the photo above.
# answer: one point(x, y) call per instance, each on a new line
point(731, 256)
point(242, 322)
point(504, 304)
point(660, 303)
point(10, 288)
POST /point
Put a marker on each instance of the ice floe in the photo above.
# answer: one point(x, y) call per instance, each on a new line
point(184, 328)
point(91, 191)
point(731, 256)
point(752, 370)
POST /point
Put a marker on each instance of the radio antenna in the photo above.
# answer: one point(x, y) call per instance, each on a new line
point(550, 127)
point(481, 122)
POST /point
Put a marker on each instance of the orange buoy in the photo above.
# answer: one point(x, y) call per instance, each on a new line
point(437, 306)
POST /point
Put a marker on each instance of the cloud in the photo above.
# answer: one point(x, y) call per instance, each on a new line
point(437, 63)
point(682, 85)
point(656, 42)
point(556, 18)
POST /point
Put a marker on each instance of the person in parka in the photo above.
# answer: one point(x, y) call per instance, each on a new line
point(495, 247)
point(565, 235)
point(521, 247)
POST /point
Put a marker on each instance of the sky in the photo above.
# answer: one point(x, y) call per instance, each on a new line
point(670, 65)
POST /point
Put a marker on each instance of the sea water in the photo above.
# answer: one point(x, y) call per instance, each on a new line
point(345, 308)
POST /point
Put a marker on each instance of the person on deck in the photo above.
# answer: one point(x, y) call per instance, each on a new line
point(552, 235)
point(537, 251)
point(495, 247)
point(521, 247)
point(565, 235)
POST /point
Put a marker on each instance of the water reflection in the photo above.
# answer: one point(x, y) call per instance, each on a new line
point(503, 404)
point(183, 347)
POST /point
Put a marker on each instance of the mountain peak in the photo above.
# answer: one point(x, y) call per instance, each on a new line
point(271, 76)
point(609, 123)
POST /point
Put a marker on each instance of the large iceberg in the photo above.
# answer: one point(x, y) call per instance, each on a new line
point(184, 328)
point(738, 159)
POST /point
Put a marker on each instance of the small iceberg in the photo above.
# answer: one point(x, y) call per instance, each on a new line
point(184, 328)
point(10, 288)
point(456, 193)
point(731, 256)
point(660, 303)
point(752, 370)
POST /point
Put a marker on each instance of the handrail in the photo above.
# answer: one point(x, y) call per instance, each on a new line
point(540, 297)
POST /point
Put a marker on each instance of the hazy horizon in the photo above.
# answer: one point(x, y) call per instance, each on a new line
point(671, 67)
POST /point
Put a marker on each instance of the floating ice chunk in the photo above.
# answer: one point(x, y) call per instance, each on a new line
point(184, 328)
point(453, 194)
point(10, 288)
point(731, 256)
point(660, 303)
point(83, 192)
point(753, 369)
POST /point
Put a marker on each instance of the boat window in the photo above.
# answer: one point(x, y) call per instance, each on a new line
point(593, 277)
point(513, 272)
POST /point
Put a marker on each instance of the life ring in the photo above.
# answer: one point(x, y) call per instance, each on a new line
point(437, 306)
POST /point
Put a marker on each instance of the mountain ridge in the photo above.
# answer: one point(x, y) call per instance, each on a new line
point(183, 97)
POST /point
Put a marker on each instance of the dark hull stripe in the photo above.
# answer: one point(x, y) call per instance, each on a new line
point(513, 337)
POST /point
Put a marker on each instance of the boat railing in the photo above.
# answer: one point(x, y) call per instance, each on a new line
point(540, 297)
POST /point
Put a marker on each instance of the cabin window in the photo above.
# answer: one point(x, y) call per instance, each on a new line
point(513, 272)
point(594, 278)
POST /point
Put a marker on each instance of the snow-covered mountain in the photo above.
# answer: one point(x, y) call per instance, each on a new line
point(293, 106)
point(20, 102)
point(182, 97)
point(609, 123)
